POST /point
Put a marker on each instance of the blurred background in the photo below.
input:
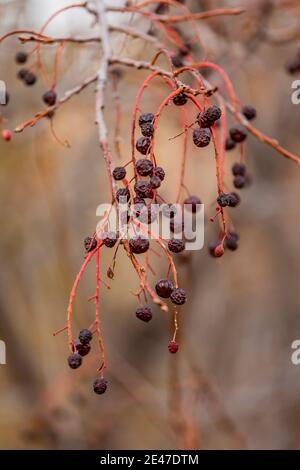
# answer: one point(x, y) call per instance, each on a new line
point(232, 385)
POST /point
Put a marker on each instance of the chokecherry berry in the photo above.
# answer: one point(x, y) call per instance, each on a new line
point(164, 288)
point(74, 360)
point(201, 137)
point(90, 243)
point(30, 78)
point(249, 112)
point(143, 189)
point(119, 173)
point(222, 199)
point(180, 99)
point(109, 239)
point(229, 144)
point(160, 172)
point(178, 296)
point(6, 135)
point(155, 182)
point(239, 169)
point(231, 242)
point(144, 313)
point(85, 336)
point(21, 57)
point(169, 210)
point(176, 246)
point(173, 347)
point(147, 129)
point(233, 199)
point(123, 195)
point(238, 133)
point(143, 145)
point(146, 118)
point(239, 181)
point(219, 250)
point(144, 167)
point(208, 117)
point(49, 97)
point(177, 60)
point(82, 349)
point(100, 386)
point(139, 244)
point(191, 203)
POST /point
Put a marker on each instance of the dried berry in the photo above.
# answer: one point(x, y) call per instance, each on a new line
point(143, 189)
point(85, 336)
point(233, 199)
point(144, 167)
point(173, 347)
point(155, 182)
point(208, 117)
point(74, 361)
point(146, 118)
point(239, 169)
point(21, 57)
point(123, 195)
point(160, 172)
point(144, 313)
point(238, 133)
point(178, 296)
point(147, 129)
point(222, 200)
point(239, 181)
point(191, 203)
point(176, 246)
point(180, 99)
point(82, 349)
point(109, 239)
point(119, 173)
point(50, 97)
point(163, 288)
point(139, 245)
point(30, 78)
point(229, 144)
point(100, 386)
point(90, 243)
point(143, 145)
point(249, 112)
point(201, 137)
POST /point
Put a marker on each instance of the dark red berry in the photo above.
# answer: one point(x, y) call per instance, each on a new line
point(74, 361)
point(229, 144)
point(82, 349)
point(176, 246)
point(144, 167)
point(21, 57)
point(180, 99)
point(239, 181)
point(169, 210)
point(143, 145)
point(139, 245)
point(222, 200)
point(219, 250)
point(160, 172)
point(90, 244)
point(145, 118)
point(6, 135)
point(144, 313)
point(211, 248)
point(143, 189)
point(238, 133)
point(147, 129)
point(201, 137)
point(164, 288)
point(155, 182)
point(85, 336)
point(100, 386)
point(109, 239)
point(177, 60)
point(123, 195)
point(178, 296)
point(30, 78)
point(22, 73)
point(191, 203)
point(173, 347)
point(208, 117)
point(231, 242)
point(233, 199)
point(50, 97)
point(249, 112)
point(239, 169)
point(119, 173)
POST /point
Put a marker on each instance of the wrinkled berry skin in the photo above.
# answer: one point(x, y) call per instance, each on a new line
point(21, 57)
point(233, 199)
point(109, 239)
point(239, 169)
point(144, 167)
point(85, 336)
point(164, 288)
point(238, 133)
point(160, 172)
point(222, 200)
point(178, 296)
point(147, 129)
point(176, 246)
point(143, 189)
point(208, 117)
point(90, 244)
point(191, 203)
point(123, 193)
point(119, 173)
point(180, 99)
point(100, 386)
point(201, 137)
point(82, 349)
point(249, 112)
point(155, 182)
point(74, 361)
point(30, 78)
point(173, 347)
point(146, 118)
point(139, 245)
point(239, 181)
point(229, 144)
point(143, 145)
point(49, 97)
point(144, 313)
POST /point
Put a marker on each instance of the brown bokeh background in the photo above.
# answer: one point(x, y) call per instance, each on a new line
point(233, 384)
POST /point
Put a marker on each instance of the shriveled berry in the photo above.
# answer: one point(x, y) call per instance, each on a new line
point(238, 133)
point(177, 60)
point(160, 172)
point(191, 203)
point(143, 145)
point(180, 99)
point(82, 349)
point(85, 336)
point(145, 118)
point(139, 245)
point(21, 57)
point(90, 243)
point(201, 137)
point(100, 386)
point(22, 73)
point(30, 78)
point(143, 189)
point(163, 288)
point(239, 169)
point(229, 144)
point(173, 347)
point(239, 181)
point(176, 246)
point(208, 117)
point(123, 195)
point(222, 200)
point(155, 182)
point(147, 129)
point(119, 173)
point(6, 135)
point(49, 97)
point(249, 112)
point(74, 360)
point(178, 296)
point(144, 167)
point(144, 313)
point(109, 239)
point(233, 199)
